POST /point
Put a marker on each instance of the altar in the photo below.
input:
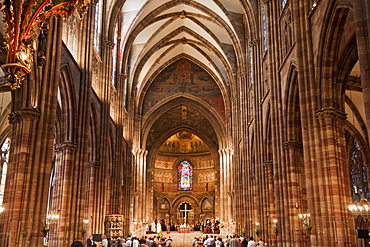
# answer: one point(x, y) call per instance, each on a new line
point(184, 229)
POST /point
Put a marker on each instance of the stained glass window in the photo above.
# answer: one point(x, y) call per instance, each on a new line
point(359, 180)
point(283, 3)
point(114, 54)
point(4, 166)
point(185, 180)
point(98, 24)
point(250, 65)
point(264, 26)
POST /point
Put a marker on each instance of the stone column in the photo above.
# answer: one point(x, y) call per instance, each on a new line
point(65, 227)
point(270, 203)
point(294, 192)
point(362, 22)
point(20, 171)
point(31, 150)
point(226, 186)
point(140, 208)
point(332, 180)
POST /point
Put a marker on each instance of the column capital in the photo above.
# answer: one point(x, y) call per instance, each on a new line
point(224, 151)
point(330, 113)
point(267, 164)
point(93, 164)
point(109, 44)
point(122, 76)
point(254, 42)
point(139, 152)
point(31, 114)
point(67, 145)
point(292, 144)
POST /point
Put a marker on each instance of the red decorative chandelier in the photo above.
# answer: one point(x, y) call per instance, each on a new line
point(25, 25)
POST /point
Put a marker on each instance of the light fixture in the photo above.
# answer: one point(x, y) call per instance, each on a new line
point(274, 226)
point(256, 231)
point(305, 221)
point(25, 23)
point(2, 209)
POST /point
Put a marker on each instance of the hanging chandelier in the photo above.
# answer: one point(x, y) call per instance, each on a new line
point(25, 32)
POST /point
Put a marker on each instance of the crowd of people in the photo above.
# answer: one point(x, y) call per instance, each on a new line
point(130, 242)
point(233, 241)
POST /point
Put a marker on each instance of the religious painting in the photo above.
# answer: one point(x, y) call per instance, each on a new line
point(185, 77)
point(163, 177)
point(207, 204)
point(185, 176)
point(163, 164)
point(164, 205)
point(206, 177)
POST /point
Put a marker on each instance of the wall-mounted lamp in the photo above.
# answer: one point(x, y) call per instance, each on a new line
point(256, 231)
point(274, 226)
point(306, 221)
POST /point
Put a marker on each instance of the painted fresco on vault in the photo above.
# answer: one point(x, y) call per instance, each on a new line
point(184, 76)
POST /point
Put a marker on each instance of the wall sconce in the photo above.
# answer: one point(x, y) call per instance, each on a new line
point(84, 226)
point(2, 209)
point(306, 221)
point(274, 226)
point(256, 231)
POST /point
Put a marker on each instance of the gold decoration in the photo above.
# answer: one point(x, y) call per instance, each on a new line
point(24, 20)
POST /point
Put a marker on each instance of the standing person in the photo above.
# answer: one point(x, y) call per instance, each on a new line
point(89, 242)
point(135, 242)
point(119, 243)
point(104, 242)
point(128, 242)
point(226, 241)
point(169, 241)
point(261, 243)
point(77, 244)
point(233, 242)
point(219, 242)
point(244, 243)
point(251, 242)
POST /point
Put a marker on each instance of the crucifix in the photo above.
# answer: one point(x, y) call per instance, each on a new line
point(185, 211)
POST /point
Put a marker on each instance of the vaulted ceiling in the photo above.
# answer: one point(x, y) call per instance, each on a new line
point(157, 32)
point(159, 36)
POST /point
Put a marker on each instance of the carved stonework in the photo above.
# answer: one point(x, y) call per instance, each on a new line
point(326, 113)
point(114, 226)
point(267, 165)
point(287, 30)
point(122, 76)
point(292, 144)
point(109, 44)
point(93, 164)
point(254, 42)
point(67, 145)
point(24, 114)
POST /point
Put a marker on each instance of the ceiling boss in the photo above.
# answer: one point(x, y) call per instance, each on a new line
point(26, 30)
